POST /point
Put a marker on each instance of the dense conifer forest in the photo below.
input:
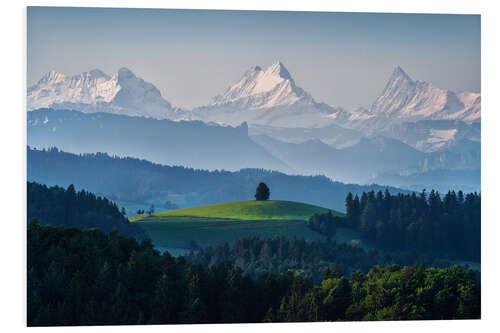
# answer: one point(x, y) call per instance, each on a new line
point(306, 258)
point(87, 277)
point(448, 226)
point(67, 207)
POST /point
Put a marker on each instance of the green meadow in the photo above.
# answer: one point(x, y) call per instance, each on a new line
point(248, 210)
point(178, 231)
point(224, 222)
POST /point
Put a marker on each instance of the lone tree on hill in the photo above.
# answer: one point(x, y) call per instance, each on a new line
point(262, 192)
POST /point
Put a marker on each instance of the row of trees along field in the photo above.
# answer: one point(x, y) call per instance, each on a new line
point(448, 226)
point(87, 277)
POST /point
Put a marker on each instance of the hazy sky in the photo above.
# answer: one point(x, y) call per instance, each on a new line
point(342, 59)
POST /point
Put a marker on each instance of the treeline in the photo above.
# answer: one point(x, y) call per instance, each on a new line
point(307, 259)
point(325, 224)
point(86, 277)
point(448, 227)
point(140, 181)
point(67, 207)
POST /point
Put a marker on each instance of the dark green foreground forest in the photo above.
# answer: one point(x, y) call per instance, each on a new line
point(88, 277)
point(88, 265)
point(305, 258)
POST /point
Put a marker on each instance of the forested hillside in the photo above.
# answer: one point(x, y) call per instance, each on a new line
point(254, 256)
point(59, 207)
point(85, 277)
point(133, 180)
point(448, 226)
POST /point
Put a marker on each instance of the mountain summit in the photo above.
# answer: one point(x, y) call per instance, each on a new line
point(418, 113)
point(408, 100)
point(95, 91)
point(264, 88)
point(398, 74)
point(267, 97)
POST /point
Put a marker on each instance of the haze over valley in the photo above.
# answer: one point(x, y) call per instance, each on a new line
point(266, 120)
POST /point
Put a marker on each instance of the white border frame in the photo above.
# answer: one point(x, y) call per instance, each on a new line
point(13, 140)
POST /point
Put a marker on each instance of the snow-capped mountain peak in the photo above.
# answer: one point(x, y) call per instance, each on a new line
point(398, 81)
point(266, 96)
point(86, 88)
point(404, 99)
point(415, 112)
point(263, 88)
point(398, 74)
point(277, 68)
point(95, 91)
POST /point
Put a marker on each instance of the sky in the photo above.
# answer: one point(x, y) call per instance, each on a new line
point(343, 59)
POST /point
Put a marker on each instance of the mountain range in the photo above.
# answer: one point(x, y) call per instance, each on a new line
point(210, 146)
point(193, 144)
point(270, 98)
point(263, 120)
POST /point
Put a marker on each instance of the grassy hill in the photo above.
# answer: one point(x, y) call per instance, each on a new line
point(174, 230)
point(246, 210)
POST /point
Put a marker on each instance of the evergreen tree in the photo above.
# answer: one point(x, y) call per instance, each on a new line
point(349, 205)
